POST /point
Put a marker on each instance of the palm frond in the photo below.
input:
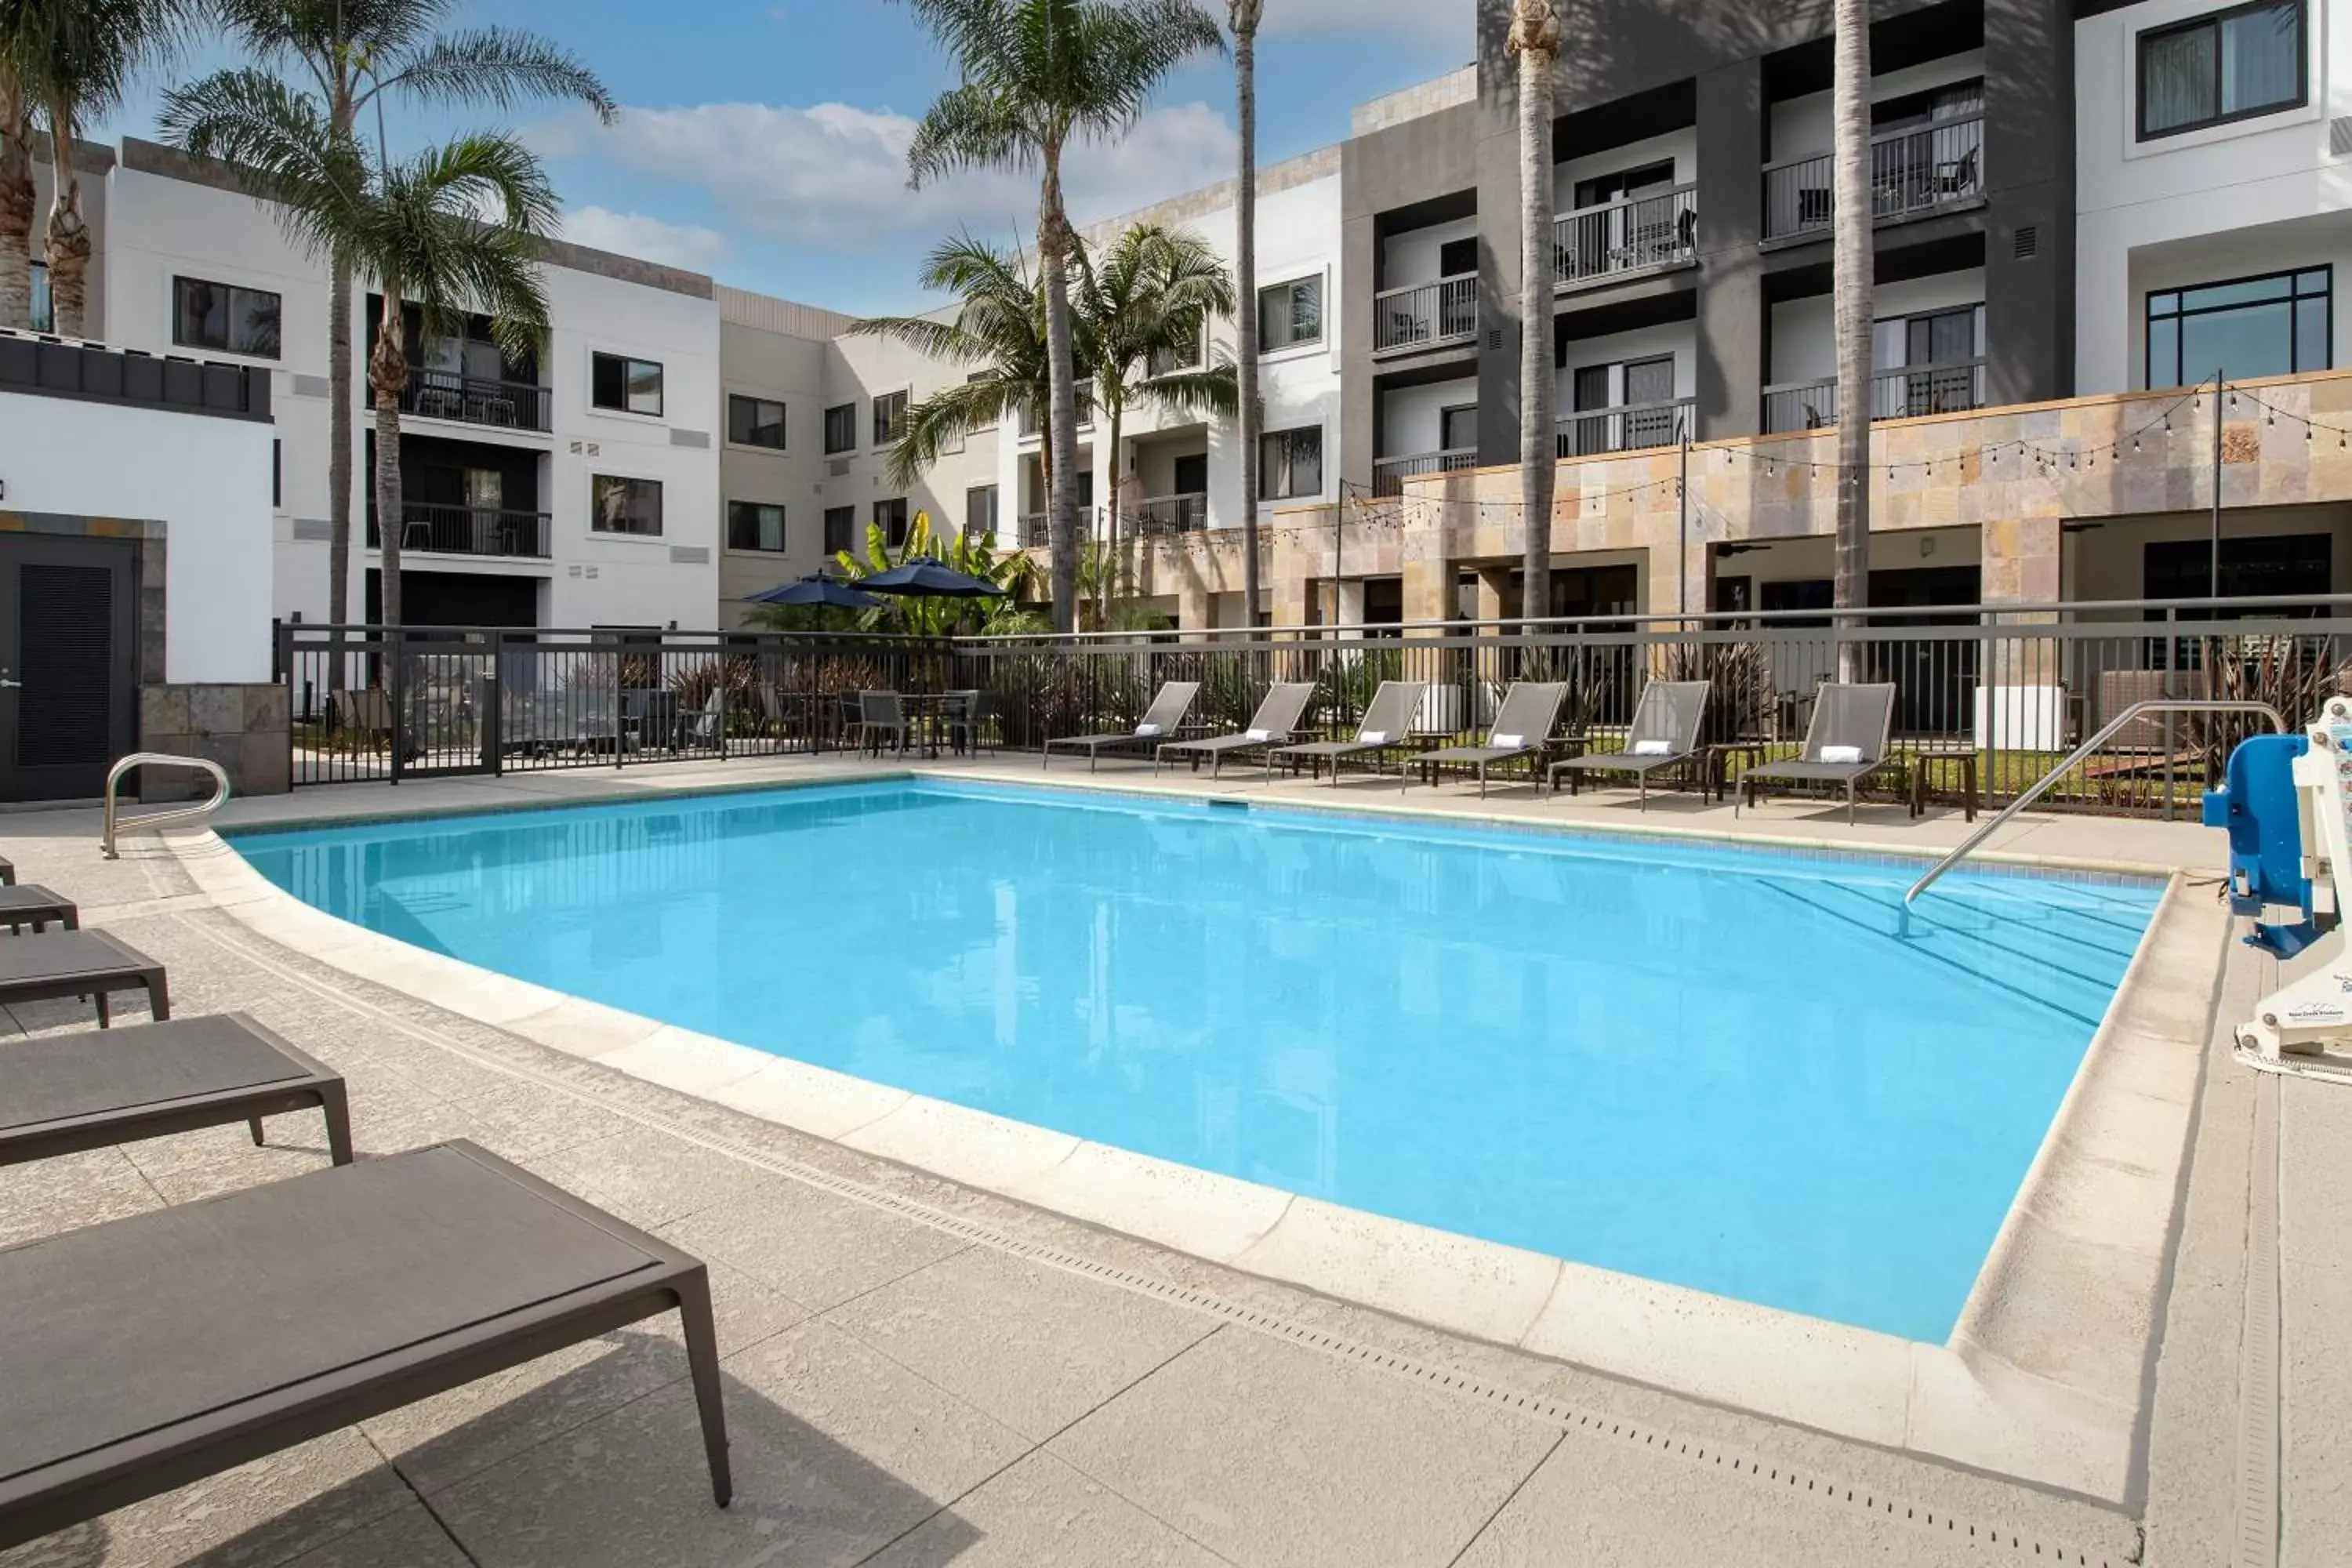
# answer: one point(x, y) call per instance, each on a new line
point(499, 67)
point(943, 419)
point(968, 127)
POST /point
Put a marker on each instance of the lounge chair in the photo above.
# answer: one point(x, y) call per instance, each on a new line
point(1665, 734)
point(1386, 724)
point(7, 872)
point(35, 906)
point(1852, 730)
point(1159, 721)
point(147, 1352)
point(1275, 724)
point(78, 964)
point(60, 1094)
point(1522, 729)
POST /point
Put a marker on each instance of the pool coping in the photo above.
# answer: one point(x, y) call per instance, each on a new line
point(2034, 1383)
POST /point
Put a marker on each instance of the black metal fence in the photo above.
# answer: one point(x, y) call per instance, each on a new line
point(1986, 701)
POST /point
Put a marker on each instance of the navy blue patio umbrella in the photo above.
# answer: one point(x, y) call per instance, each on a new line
point(819, 589)
point(926, 578)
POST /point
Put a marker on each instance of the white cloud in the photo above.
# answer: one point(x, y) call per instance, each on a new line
point(649, 239)
point(833, 177)
point(1451, 22)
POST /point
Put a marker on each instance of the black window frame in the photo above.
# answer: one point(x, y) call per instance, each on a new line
point(1267, 470)
point(180, 338)
point(840, 529)
point(630, 364)
point(995, 522)
point(738, 400)
point(1322, 313)
point(889, 427)
point(2293, 299)
point(2216, 20)
point(894, 524)
point(740, 511)
point(847, 415)
point(597, 510)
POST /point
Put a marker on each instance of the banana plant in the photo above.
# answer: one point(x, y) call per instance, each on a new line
point(970, 554)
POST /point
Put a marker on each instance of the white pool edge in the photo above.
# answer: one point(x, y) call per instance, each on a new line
point(2006, 1394)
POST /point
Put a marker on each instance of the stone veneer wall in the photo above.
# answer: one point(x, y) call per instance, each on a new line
point(244, 729)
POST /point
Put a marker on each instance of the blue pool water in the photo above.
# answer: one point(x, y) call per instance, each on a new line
point(1721, 1067)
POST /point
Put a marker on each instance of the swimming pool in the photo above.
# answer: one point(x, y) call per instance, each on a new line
point(1721, 1067)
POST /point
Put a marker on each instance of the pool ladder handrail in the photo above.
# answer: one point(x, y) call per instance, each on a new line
point(2075, 760)
point(176, 813)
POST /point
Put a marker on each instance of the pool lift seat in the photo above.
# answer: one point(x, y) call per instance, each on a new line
point(2287, 806)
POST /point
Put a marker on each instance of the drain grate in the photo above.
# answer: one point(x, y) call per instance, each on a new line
point(1827, 1490)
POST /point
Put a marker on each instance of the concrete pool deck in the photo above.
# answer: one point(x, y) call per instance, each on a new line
point(1193, 1411)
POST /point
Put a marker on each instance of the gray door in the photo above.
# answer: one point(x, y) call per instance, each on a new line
point(68, 669)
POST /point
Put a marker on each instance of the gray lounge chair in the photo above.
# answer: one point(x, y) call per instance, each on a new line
point(1664, 735)
point(7, 872)
point(60, 1094)
point(1522, 729)
point(36, 907)
point(80, 963)
point(147, 1352)
point(1859, 720)
point(1386, 724)
point(1169, 706)
point(1275, 724)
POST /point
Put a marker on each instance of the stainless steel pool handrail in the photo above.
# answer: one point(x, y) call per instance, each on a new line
point(2075, 760)
point(178, 813)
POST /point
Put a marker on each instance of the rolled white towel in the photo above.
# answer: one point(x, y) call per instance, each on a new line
point(1374, 737)
point(1506, 742)
point(1258, 734)
point(1145, 732)
point(1840, 753)
point(1654, 748)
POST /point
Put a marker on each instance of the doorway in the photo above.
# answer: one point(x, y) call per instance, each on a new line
point(69, 664)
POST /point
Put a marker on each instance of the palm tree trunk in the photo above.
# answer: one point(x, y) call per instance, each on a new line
point(387, 375)
point(1250, 426)
point(1535, 38)
point(1117, 412)
point(69, 235)
point(1853, 262)
point(1061, 405)
point(338, 449)
point(16, 201)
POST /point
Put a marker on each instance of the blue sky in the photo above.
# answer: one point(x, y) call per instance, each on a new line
point(762, 140)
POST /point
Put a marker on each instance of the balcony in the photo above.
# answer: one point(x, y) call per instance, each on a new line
point(498, 405)
point(1628, 428)
point(1388, 474)
point(1911, 173)
point(1956, 386)
point(1638, 233)
point(1037, 526)
point(1427, 315)
point(468, 530)
point(1170, 515)
point(1031, 423)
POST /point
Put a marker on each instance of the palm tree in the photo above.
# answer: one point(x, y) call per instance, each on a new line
point(1245, 16)
point(1150, 298)
point(64, 61)
point(1855, 252)
point(1535, 40)
point(1036, 74)
point(347, 54)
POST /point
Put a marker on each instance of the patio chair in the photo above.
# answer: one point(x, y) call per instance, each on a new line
point(7, 872)
point(1664, 735)
point(80, 964)
point(1521, 728)
point(364, 711)
point(881, 715)
point(1849, 739)
point(701, 729)
point(1387, 723)
point(1274, 723)
point(1169, 706)
point(961, 721)
point(150, 1351)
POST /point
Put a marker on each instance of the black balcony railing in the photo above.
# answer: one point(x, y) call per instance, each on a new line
point(1425, 315)
point(499, 404)
point(1911, 392)
point(1628, 428)
point(1388, 474)
point(1911, 171)
point(1037, 526)
point(1633, 234)
point(1164, 515)
point(467, 530)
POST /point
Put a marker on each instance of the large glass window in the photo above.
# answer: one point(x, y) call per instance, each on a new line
point(2277, 324)
point(1291, 464)
point(979, 511)
point(2231, 65)
point(755, 422)
point(1290, 314)
point(840, 529)
point(890, 417)
point(890, 517)
point(755, 525)
point(841, 428)
point(626, 505)
point(218, 316)
point(625, 385)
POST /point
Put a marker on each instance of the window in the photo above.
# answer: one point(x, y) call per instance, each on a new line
point(890, 417)
point(2280, 566)
point(41, 314)
point(2273, 325)
point(840, 526)
point(2231, 65)
point(979, 511)
point(1289, 314)
point(755, 525)
point(625, 385)
point(626, 506)
point(1291, 464)
point(1605, 188)
point(841, 430)
point(277, 473)
point(1457, 428)
point(890, 517)
point(755, 422)
point(219, 316)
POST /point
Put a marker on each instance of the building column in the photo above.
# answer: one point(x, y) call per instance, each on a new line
point(2022, 692)
point(1732, 135)
point(2028, 174)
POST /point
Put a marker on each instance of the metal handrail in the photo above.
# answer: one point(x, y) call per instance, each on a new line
point(178, 813)
point(2076, 758)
